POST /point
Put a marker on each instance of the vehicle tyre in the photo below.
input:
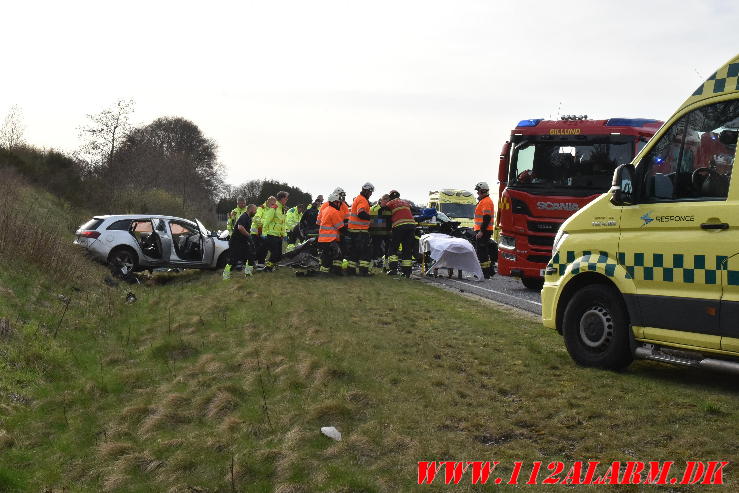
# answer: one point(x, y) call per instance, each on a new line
point(595, 328)
point(222, 260)
point(123, 261)
point(533, 283)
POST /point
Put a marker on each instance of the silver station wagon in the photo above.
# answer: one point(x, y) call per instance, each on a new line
point(135, 242)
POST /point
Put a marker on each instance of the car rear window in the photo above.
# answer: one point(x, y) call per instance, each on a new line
point(92, 224)
point(122, 225)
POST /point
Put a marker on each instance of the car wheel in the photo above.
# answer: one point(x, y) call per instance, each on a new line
point(123, 261)
point(533, 283)
point(222, 260)
point(595, 328)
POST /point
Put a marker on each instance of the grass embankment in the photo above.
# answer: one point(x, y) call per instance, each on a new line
point(223, 386)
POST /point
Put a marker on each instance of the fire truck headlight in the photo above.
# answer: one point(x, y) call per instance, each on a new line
point(507, 242)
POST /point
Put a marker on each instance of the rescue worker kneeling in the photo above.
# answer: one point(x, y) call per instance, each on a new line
point(329, 235)
point(403, 234)
point(359, 238)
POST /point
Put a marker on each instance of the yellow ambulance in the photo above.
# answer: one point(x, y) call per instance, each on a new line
point(651, 268)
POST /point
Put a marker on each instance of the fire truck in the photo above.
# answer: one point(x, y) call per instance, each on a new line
point(550, 169)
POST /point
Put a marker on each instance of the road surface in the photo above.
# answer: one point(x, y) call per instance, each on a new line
point(506, 290)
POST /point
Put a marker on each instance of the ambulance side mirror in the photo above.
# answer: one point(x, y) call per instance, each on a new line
point(623, 186)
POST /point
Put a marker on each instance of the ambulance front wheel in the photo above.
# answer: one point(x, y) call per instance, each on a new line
point(595, 328)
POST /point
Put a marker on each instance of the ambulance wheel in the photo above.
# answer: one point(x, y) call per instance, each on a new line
point(595, 328)
point(533, 283)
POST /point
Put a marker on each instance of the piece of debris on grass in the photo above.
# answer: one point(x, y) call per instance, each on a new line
point(331, 432)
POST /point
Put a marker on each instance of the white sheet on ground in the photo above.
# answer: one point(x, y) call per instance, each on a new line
point(451, 253)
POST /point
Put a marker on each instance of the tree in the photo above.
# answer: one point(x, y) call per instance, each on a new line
point(11, 133)
point(104, 133)
point(173, 155)
point(257, 191)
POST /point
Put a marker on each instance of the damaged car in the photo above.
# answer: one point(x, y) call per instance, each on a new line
point(132, 243)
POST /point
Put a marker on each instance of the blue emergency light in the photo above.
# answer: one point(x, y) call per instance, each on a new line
point(629, 122)
point(529, 123)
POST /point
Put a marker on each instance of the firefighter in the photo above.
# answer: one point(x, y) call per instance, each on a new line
point(309, 221)
point(273, 230)
point(379, 231)
point(484, 229)
point(241, 246)
point(358, 230)
point(403, 234)
point(235, 214)
point(329, 235)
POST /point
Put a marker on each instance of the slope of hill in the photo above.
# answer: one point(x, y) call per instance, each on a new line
point(205, 385)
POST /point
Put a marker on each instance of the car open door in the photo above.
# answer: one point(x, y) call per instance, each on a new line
point(208, 243)
point(165, 239)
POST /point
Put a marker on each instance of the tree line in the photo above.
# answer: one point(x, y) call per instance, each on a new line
point(167, 166)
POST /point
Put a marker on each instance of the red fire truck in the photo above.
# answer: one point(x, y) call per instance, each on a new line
point(548, 171)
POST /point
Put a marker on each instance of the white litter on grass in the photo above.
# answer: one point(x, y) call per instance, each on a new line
point(331, 432)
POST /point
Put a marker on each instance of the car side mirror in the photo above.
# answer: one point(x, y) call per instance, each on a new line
point(623, 186)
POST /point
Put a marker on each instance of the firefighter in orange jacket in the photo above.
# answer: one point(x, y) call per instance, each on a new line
point(359, 238)
point(486, 251)
point(329, 235)
point(403, 234)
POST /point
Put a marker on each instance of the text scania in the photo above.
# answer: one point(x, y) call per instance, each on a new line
point(557, 206)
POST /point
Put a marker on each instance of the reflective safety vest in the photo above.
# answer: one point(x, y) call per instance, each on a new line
point(343, 209)
point(380, 221)
point(484, 208)
point(401, 212)
point(237, 212)
point(331, 222)
point(273, 221)
point(292, 218)
point(256, 221)
point(360, 204)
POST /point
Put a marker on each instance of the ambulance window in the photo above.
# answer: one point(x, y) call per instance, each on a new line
point(692, 161)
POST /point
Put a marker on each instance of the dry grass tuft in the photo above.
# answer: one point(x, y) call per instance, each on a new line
point(330, 411)
point(110, 450)
point(230, 425)
point(221, 405)
point(290, 488)
point(6, 441)
point(116, 481)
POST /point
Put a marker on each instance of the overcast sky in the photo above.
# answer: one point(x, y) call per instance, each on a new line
point(414, 95)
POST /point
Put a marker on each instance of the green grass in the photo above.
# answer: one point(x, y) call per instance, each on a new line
point(165, 393)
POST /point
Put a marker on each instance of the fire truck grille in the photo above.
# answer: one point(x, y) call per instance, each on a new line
point(542, 227)
point(539, 259)
point(546, 241)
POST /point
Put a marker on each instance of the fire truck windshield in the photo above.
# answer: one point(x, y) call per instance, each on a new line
point(456, 211)
point(571, 165)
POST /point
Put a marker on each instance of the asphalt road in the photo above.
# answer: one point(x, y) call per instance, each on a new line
point(506, 290)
